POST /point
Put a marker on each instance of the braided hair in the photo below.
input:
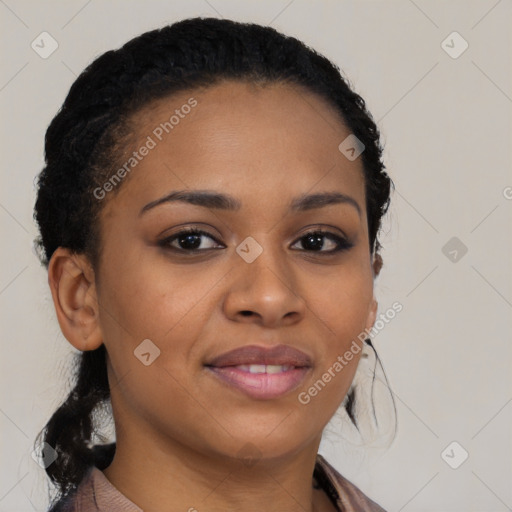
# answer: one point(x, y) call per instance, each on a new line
point(86, 138)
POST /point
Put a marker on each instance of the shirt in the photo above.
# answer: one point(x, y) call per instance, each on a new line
point(96, 494)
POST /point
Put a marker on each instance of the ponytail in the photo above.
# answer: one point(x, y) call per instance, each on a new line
point(69, 431)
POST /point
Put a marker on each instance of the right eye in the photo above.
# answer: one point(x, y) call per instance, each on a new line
point(188, 240)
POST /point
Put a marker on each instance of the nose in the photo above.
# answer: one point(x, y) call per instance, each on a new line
point(265, 292)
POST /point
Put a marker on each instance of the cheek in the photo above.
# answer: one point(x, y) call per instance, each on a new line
point(149, 301)
point(341, 305)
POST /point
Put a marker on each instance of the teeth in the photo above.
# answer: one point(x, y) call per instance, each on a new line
point(275, 368)
point(262, 368)
point(257, 368)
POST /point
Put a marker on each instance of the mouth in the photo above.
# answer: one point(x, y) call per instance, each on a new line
point(261, 373)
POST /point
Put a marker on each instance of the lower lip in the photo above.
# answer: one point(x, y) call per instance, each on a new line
point(262, 386)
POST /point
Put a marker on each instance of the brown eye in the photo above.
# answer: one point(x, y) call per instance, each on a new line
point(189, 240)
point(315, 241)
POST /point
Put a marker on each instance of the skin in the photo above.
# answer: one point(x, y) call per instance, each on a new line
point(181, 433)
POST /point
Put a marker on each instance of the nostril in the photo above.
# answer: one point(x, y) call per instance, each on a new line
point(246, 313)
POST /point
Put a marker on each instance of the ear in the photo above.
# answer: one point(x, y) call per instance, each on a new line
point(71, 280)
point(372, 312)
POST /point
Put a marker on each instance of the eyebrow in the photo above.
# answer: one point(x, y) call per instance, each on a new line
point(216, 200)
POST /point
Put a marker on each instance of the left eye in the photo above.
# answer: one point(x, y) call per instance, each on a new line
point(314, 241)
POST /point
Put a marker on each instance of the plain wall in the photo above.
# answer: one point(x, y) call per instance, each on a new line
point(446, 125)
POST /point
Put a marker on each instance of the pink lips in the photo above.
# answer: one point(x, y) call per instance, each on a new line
point(260, 372)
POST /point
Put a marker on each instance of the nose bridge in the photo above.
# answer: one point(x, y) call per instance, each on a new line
point(264, 282)
point(264, 264)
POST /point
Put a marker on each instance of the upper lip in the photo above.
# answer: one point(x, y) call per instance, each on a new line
point(253, 354)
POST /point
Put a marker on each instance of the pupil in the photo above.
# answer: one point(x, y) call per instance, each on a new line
point(185, 240)
point(316, 241)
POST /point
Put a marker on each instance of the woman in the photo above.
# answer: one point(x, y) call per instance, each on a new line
point(209, 213)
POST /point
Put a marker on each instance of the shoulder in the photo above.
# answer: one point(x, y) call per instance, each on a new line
point(95, 494)
point(347, 496)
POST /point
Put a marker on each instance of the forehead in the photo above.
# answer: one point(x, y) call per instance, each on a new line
point(272, 140)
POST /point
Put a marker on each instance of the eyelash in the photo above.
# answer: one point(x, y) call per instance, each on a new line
point(342, 243)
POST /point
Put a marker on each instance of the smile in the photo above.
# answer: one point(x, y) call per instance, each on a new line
point(261, 373)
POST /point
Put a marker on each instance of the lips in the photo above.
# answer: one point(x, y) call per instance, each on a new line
point(259, 372)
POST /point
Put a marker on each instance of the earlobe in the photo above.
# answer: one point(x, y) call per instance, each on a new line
point(71, 280)
point(377, 264)
point(372, 313)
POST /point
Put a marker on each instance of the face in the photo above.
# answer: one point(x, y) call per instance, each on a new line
point(255, 271)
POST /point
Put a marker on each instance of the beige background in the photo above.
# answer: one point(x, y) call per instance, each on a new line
point(446, 123)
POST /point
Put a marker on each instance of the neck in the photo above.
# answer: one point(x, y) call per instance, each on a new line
point(154, 478)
